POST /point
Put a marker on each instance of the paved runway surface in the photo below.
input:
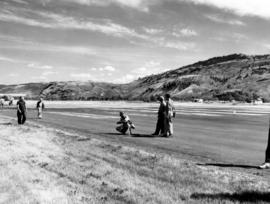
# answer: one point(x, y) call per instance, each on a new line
point(229, 134)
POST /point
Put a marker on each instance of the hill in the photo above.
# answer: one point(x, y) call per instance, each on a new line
point(233, 77)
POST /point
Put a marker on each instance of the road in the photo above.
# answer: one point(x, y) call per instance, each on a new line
point(230, 135)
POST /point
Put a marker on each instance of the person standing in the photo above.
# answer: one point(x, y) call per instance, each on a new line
point(266, 164)
point(40, 107)
point(169, 114)
point(21, 111)
point(161, 117)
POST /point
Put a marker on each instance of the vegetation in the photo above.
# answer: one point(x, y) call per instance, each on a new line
point(233, 77)
point(46, 165)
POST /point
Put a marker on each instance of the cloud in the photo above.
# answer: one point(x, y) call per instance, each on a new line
point(149, 68)
point(141, 5)
point(152, 30)
point(57, 21)
point(7, 59)
point(267, 46)
point(184, 32)
point(107, 68)
point(24, 44)
point(125, 79)
point(180, 45)
point(231, 37)
point(38, 66)
point(20, 1)
point(44, 75)
point(219, 19)
point(258, 8)
point(13, 75)
point(82, 76)
point(241, 7)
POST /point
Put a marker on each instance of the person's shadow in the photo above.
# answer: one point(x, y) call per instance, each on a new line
point(143, 135)
point(7, 123)
point(245, 196)
point(132, 135)
point(229, 165)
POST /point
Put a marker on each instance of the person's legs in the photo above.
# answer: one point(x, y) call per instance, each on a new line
point(266, 165)
point(165, 127)
point(125, 128)
point(39, 112)
point(23, 118)
point(159, 127)
point(170, 128)
point(19, 116)
point(267, 152)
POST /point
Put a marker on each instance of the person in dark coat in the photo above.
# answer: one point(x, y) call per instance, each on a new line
point(169, 114)
point(161, 117)
point(266, 164)
point(21, 111)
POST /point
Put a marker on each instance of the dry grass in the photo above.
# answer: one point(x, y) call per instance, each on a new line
point(43, 165)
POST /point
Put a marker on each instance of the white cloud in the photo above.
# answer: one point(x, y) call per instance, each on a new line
point(180, 45)
point(241, 7)
point(38, 66)
point(20, 1)
point(125, 79)
point(219, 19)
point(44, 76)
point(107, 68)
point(82, 76)
point(267, 46)
point(152, 30)
point(185, 32)
point(7, 59)
point(13, 75)
point(136, 4)
point(149, 68)
point(58, 21)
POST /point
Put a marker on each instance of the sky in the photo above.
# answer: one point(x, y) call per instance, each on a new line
point(119, 41)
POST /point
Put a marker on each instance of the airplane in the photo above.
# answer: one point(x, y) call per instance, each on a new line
point(8, 98)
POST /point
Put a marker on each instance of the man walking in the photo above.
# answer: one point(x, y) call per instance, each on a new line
point(169, 114)
point(161, 117)
point(21, 111)
point(40, 107)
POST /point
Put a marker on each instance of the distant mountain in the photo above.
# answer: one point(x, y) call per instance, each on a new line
point(232, 77)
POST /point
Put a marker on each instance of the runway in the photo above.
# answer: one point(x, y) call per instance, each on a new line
point(226, 134)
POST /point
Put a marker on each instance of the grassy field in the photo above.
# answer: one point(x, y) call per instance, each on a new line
point(46, 165)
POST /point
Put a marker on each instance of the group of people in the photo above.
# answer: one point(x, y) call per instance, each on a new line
point(164, 125)
point(166, 112)
point(22, 110)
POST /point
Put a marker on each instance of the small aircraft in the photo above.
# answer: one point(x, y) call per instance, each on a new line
point(8, 98)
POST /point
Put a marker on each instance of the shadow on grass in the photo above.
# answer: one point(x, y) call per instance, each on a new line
point(132, 135)
point(143, 135)
point(246, 196)
point(229, 165)
point(111, 133)
point(8, 123)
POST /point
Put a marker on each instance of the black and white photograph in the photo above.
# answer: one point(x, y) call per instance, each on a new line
point(134, 101)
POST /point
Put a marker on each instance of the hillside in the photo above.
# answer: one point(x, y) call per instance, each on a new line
point(232, 77)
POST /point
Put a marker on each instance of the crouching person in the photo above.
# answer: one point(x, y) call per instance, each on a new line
point(125, 124)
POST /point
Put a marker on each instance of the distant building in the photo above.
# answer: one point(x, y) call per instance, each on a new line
point(198, 100)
